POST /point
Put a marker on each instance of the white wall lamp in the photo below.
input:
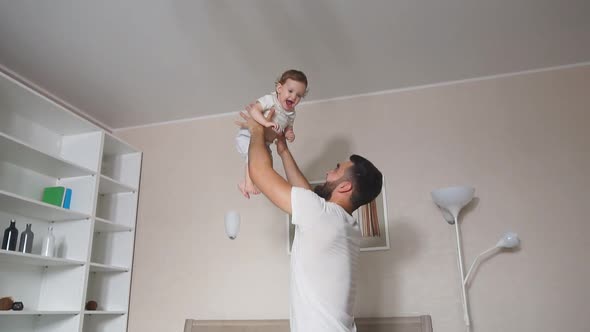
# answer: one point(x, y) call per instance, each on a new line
point(232, 224)
point(451, 200)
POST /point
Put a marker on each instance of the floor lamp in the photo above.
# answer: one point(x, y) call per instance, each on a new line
point(451, 200)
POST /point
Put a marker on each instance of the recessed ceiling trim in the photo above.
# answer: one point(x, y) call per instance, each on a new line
point(377, 93)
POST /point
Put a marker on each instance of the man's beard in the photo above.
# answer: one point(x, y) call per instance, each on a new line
point(325, 189)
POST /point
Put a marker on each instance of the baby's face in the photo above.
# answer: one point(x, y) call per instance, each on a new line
point(290, 94)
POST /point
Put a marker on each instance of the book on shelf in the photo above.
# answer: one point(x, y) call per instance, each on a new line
point(58, 196)
point(67, 198)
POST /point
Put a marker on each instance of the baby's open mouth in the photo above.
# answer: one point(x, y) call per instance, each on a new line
point(289, 103)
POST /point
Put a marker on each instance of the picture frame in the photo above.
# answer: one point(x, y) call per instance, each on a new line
point(368, 243)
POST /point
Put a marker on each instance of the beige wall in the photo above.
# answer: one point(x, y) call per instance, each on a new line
point(522, 141)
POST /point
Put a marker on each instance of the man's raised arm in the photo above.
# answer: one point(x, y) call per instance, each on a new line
point(294, 174)
point(270, 183)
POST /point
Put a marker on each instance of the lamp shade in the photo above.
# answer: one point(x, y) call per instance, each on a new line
point(508, 241)
point(452, 199)
point(232, 224)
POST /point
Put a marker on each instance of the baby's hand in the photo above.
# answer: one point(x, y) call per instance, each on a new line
point(290, 136)
point(273, 125)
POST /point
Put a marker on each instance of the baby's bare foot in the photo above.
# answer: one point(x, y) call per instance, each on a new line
point(251, 188)
point(242, 188)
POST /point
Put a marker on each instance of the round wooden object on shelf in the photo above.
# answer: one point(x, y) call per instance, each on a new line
point(91, 305)
point(6, 303)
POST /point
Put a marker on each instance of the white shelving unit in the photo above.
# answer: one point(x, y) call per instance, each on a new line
point(43, 144)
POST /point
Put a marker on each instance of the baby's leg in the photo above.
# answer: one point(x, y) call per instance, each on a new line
point(250, 187)
point(242, 185)
point(247, 187)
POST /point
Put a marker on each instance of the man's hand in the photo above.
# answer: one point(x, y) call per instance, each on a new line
point(250, 123)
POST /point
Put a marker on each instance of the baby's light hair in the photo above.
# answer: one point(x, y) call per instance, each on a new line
point(294, 75)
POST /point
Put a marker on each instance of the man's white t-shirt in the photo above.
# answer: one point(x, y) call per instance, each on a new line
point(324, 262)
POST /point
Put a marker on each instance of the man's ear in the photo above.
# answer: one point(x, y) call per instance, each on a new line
point(344, 187)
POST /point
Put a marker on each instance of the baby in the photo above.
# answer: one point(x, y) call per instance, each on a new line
point(290, 89)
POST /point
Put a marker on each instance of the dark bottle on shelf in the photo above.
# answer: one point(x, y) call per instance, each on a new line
point(26, 240)
point(10, 236)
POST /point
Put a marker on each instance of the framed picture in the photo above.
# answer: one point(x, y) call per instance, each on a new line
point(372, 220)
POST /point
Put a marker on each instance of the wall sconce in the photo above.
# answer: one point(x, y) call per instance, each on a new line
point(451, 200)
point(232, 224)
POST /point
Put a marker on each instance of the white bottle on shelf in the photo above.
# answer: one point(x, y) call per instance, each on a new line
point(48, 249)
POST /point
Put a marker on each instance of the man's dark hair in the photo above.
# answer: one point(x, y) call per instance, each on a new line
point(366, 179)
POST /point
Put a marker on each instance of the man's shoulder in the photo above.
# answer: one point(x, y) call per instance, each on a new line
point(305, 202)
point(301, 192)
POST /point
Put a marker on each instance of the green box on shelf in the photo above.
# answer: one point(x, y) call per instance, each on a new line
point(54, 195)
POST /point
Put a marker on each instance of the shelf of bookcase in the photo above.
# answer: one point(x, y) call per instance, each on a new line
point(97, 267)
point(22, 154)
point(15, 257)
point(27, 207)
point(115, 146)
point(40, 108)
point(105, 312)
point(106, 226)
point(108, 185)
point(38, 313)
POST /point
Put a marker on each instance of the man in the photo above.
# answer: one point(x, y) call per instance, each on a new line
point(325, 253)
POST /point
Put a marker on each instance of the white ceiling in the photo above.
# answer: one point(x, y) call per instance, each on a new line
point(136, 62)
